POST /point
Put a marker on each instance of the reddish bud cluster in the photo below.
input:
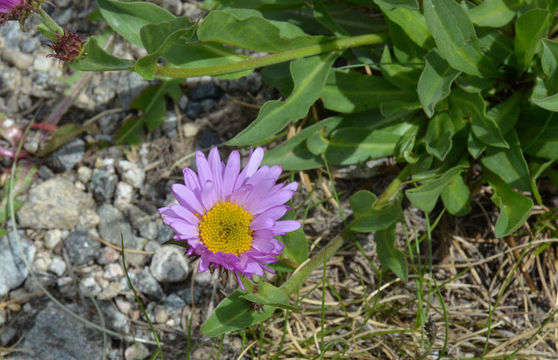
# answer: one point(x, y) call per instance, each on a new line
point(67, 47)
point(18, 10)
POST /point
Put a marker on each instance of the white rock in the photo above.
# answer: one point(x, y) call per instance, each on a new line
point(57, 266)
point(53, 238)
point(123, 305)
point(42, 261)
point(131, 173)
point(89, 287)
point(88, 219)
point(169, 264)
point(113, 271)
point(84, 174)
point(123, 195)
point(190, 130)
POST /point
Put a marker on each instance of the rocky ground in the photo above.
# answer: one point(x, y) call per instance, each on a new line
point(87, 194)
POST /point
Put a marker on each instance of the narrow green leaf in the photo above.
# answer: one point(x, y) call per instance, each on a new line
point(494, 13)
point(61, 136)
point(234, 313)
point(97, 59)
point(127, 18)
point(323, 16)
point(268, 294)
point(455, 37)
point(509, 164)
point(537, 169)
point(393, 4)
point(529, 29)
point(425, 196)
point(549, 103)
point(391, 257)
point(309, 75)
point(456, 196)
point(349, 92)
point(514, 207)
point(412, 22)
point(438, 135)
point(435, 81)
point(248, 29)
point(402, 76)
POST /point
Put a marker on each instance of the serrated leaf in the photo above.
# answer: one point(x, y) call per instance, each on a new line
point(529, 29)
point(455, 37)
point(457, 196)
point(349, 92)
point(514, 207)
point(435, 81)
point(309, 75)
point(426, 195)
point(390, 257)
point(509, 164)
point(248, 29)
point(439, 135)
point(234, 313)
point(127, 18)
point(494, 13)
point(97, 59)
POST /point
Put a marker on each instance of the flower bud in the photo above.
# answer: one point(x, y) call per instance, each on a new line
point(67, 47)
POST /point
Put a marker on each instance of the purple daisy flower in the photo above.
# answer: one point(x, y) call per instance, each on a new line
point(230, 218)
point(7, 5)
point(17, 10)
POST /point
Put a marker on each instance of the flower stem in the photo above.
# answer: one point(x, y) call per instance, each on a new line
point(49, 22)
point(249, 64)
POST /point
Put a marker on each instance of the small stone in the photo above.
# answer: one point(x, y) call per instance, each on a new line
point(208, 139)
point(190, 130)
point(53, 238)
point(7, 335)
point(108, 255)
point(130, 84)
point(164, 233)
point(138, 351)
point(84, 174)
point(205, 278)
point(115, 319)
point(123, 195)
point(42, 261)
point(161, 314)
point(111, 291)
point(174, 303)
point(149, 230)
point(152, 246)
point(89, 287)
point(54, 204)
point(114, 226)
point(204, 91)
point(66, 156)
point(183, 102)
point(148, 285)
point(123, 305)
point(169, 264)
point(131, 173)
point(13, 270)
point(169, 125)
point(89, 219)
point(103, 183)
point(113, 271)
point(57, 266)
point(81, 247)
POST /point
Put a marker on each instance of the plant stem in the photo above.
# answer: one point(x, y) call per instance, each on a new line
point(339, 44)
point(326, 253)
point(49, 22)
point(393, 187)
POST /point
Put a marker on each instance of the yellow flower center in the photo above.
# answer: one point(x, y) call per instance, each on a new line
point(226, 228)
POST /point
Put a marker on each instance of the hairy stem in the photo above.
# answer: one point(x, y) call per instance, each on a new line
point(49, 23)
point(335, 45)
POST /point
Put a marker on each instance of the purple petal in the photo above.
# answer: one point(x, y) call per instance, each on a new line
point(274, 213)
point(209, 195)
point(262, 223)
point(216, 170)
point(185, 214)
point(191, 179)
point(204, 171)
point(251, 166)
point(183, 228)
point(231, 173)
point(285, 226)
point(187, 198)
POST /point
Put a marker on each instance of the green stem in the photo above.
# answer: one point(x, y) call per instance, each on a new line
point(393, 187)
point(49, 22)
point(249, 64)
point(326, 253)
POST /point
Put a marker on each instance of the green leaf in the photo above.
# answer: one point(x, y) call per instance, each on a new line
point(234, 313)
point(152, 102)
point(349, 92)
point(529, 29)
point(472, 105)
point(509, 164)
point(248, 29)
point(378, 219)
point(494, 13)
point(475, 146)
point(293, 154)
point(393, 4)
point(435, 81)
point(296, 244)
point(537, 169)
point(549, 103)
point(456, 196)
point(352, 145)
point(549, 62)
point(61, 136)
point(506, 113)
point(157, 39)
point(309, 75)
point(514, 207)
point(412, 22)
point(538, 133)
point(391, 257)
point(268, 294)
point(455, 37)
point(97, 59)
point(127, 18)
point(401, 76)
point(362, 202)
point(438, 135)
point(425, 196)
point(322, 15)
